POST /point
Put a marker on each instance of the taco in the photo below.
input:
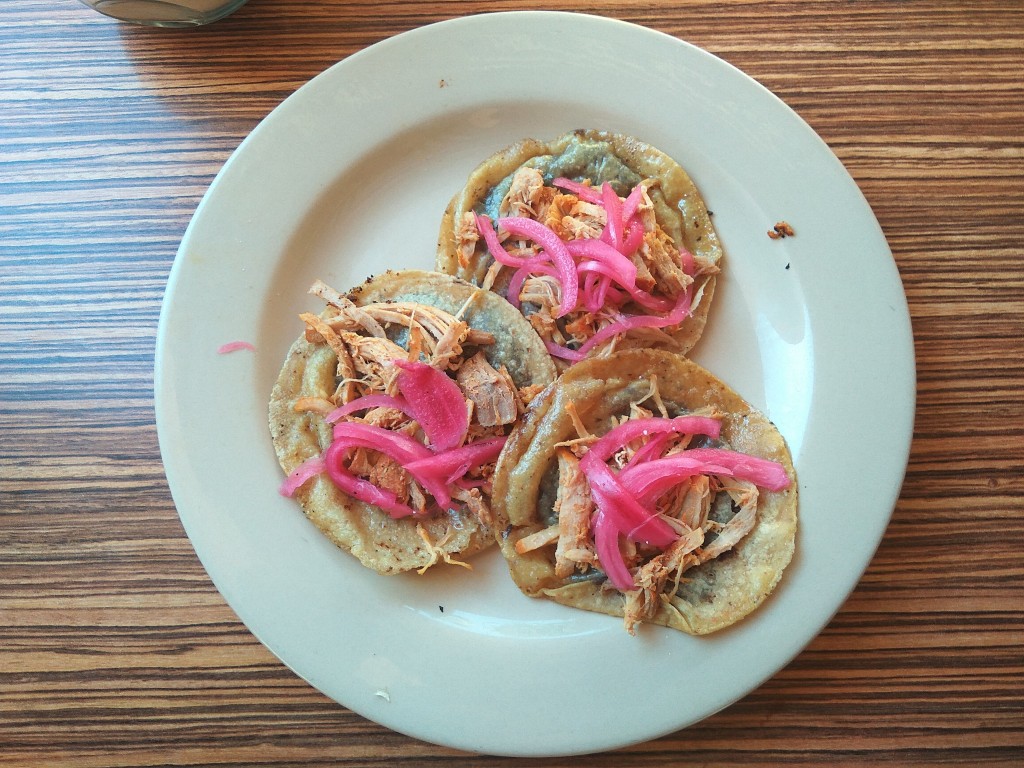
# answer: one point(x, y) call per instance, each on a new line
point(639, 485)
point(391, 408)
point(602, 241)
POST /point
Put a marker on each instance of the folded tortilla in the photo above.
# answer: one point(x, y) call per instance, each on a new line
point(381, 542)
point(595, 157)
point(711, 595)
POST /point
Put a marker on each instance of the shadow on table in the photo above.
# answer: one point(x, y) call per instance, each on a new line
point(243, 65)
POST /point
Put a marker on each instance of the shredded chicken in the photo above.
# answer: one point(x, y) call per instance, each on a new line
point(347, 307)
point(371, 357)
point(574, 507)
point(320, 332)
point(474, 501)
point(524, 196)
point(537, 539)
point(466, 236)
point(642, 603)
point(696, 503)
point(449, 345)
point(744, 493)
point(542, 290)
point(320, 405)
point(558, 217)
point(583, 437)
point(381, 470)
point(661, 256)
point(492, 392)
point(436, 551)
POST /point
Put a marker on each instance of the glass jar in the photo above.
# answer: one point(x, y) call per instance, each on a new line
point(166, 13)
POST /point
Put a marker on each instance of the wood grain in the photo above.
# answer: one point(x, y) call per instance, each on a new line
point(116, 650)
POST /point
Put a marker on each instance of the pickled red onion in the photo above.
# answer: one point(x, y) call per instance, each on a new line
point(600, 251)
point(649, 480)
point(358, 488)
point(366, 402)
point(496, 249)
point(298, 476)
point(614, 226)
point(590, 294)
point(582, 191)
point(235, 346)
point(632, 202)
point(402, 448)
point(764, 473)
point(435, 401)
point(616, 438)
point(634, 236)
point(553, 246)
point(629, 515)
point(450, 466)
point(688, 262)
point(678, 313)
point(649, 450)
point(557, 350)
point(606, 542)
point(641, 297)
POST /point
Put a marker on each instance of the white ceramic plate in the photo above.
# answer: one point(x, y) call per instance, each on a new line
point(349, 176)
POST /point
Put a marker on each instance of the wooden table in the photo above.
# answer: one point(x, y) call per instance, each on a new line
point(115, 648)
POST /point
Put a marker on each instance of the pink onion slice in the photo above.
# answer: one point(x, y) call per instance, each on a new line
point(496, 249)
point(564, 353)
point(591, 296)
point(652, 449)
point(450, 466)
point(606, 542)
point(615, 226)
point(582, 191)
point(598, 292)
point(688, 262)
point(632, 202)
point(364, 490)
point(399, 447)
point(679, 312)
point(616, 438)
point(301, 474)
point(436, 402)
point(629, 515)
point(235, 346)
point(764, 473)
point(634, 236)
point(653, 303)
point(623, 270)
point(641, 297)
point(365, 403)
point(649, 480)
point(554, 247)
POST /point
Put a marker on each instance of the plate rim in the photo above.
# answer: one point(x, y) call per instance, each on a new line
point(323, 79)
